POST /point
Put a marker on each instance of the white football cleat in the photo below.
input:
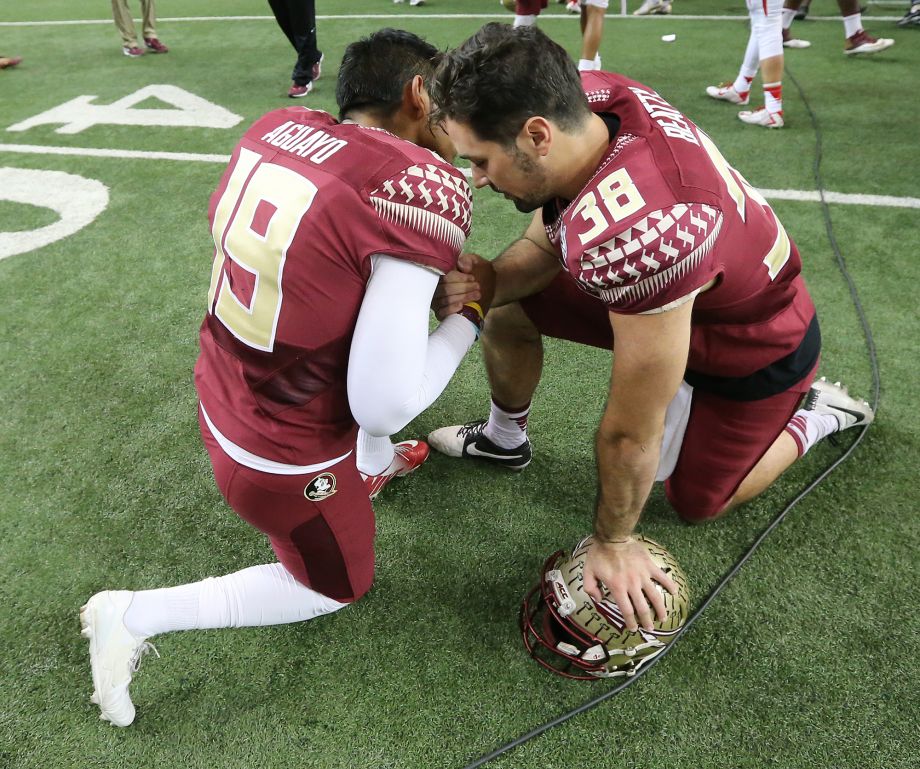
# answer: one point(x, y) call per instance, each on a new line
point(794, 42)
point(727, 92)
point(470, 442)
point(573, 6)
point(114, 653)
point(409, 457)
point(652, 7)
point(762, 117)
point(835, 399)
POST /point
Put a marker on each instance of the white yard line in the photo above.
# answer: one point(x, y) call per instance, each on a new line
point(93, 152)
point(808, 196)
point(412, 16)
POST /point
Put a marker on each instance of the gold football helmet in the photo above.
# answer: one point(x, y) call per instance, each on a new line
point(567, 632)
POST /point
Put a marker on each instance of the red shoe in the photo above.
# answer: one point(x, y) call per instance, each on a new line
point(133, 51)
point(296, 91)
point(318, 67)
point(410, 455)
point(155, 45)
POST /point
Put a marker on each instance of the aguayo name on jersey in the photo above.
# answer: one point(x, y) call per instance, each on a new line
point(304, 141)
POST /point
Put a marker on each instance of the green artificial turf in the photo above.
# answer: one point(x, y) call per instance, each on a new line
point(807, 659)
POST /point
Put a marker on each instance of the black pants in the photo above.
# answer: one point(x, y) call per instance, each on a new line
point(297, 19)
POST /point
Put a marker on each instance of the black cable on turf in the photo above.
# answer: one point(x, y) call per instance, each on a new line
point(876, 381)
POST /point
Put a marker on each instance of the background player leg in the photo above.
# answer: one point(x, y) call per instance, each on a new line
point(766, 24)
point(738, 91)
point(592, 30)
point(858, 41)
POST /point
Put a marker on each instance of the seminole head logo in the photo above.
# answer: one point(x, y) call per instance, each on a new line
point(321, 487)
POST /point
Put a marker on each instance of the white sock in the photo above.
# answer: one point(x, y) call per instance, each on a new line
point(742, 84)
point(373, 454)
point(788, 17)
point(852, 24)
point(773, 97)
point(524, 21)
point(586, 65)
point(749, 65)
point(257, 596)
point(597, 59)
point(507, 429)
point(809, 427)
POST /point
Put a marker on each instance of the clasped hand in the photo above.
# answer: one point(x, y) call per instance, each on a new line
point(473, 280)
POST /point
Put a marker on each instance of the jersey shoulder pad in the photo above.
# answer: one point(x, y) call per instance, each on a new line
point(652, 261)
point(431, 198)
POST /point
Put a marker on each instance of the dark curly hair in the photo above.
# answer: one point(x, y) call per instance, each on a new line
point(501, 76)
point(376, 68)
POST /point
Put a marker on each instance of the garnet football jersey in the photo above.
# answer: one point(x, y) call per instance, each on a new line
point(665, 216)
point(303, 205)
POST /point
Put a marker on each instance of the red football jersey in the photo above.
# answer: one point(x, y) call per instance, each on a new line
point(663, 216)
point(303, 205)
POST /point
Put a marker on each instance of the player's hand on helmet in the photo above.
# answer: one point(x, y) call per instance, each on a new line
point(629, 574)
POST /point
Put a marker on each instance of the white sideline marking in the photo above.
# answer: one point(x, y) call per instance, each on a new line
point(809, 196)
point(187, 110)
point(92, 152)
point(849, 199)
point(76, 199)
point(413, 16)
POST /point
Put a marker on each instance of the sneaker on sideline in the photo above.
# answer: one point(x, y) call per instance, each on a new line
point(863, 42)
point(297, 91)
point(155, 46)
point(410, 456)
point(726, 92)
point(469, 442)
point(794, 42)
point(133, 51)
point(650, 7)
point(912, 17)
point(317, 68)
point(762, 117)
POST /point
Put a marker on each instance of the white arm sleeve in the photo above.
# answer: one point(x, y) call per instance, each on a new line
point(396, 369)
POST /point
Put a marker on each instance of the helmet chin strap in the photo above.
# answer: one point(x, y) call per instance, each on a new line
point(641, 666)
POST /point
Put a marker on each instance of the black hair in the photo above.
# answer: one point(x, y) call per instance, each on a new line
point(376, 68)
point(502, 76)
